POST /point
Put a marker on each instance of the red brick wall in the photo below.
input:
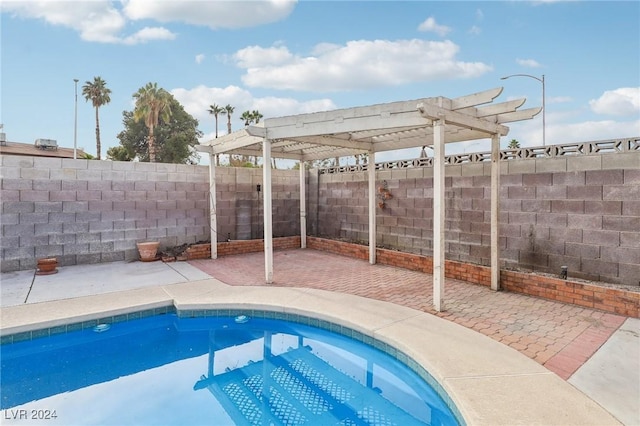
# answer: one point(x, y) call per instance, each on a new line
point(203, 251)
point(607, 299)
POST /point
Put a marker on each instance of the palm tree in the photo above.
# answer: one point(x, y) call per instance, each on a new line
point(256, 116)
point(228, 110)
point(98, 93)
point(152, 105)
point(514, 144)
point(215, 110)
point(251, 117)
point(246, 117)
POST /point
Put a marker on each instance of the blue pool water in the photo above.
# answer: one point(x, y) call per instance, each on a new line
point(166, 370)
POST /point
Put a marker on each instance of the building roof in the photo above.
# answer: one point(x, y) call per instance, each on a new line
point(17, 148)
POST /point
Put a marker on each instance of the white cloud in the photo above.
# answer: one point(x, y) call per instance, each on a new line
point(566, 127)
point(620, 102)
point(149, 34)
point(430, 25)
point(96, 21)
point(100, 21)
point(475, 30)
point(214, 14)
point(593, 131)
point(256, 56)
point(558, 99)
point(529, 63)
point(196, 102)
point(199, 58)
point(356, 65)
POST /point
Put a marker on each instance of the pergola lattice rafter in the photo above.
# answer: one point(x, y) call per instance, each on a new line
point(373, 129)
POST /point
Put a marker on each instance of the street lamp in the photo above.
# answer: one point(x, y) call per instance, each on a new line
point(544, 109)
point(75, 122)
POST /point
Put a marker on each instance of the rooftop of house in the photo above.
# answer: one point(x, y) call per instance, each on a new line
point(36, 149)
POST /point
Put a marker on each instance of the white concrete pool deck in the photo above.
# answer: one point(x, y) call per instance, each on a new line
point(489, 382)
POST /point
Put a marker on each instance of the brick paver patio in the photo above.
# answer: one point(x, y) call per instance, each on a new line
point(559, 336)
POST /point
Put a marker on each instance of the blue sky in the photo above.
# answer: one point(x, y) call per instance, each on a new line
point(282, 57)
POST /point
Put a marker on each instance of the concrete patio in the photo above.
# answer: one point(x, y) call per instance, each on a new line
point(595, 352)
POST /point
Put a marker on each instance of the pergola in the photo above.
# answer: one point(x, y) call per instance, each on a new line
point(373, 129)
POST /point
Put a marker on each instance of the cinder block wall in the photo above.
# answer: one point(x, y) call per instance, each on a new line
point(87, 211)
point(578, 211)
point(84, 211)
point(237, 190)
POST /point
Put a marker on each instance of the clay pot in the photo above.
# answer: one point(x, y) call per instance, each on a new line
point(47, 266)
point(148, 251)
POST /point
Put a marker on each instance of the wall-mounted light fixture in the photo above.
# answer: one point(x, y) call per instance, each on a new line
point(258, 187)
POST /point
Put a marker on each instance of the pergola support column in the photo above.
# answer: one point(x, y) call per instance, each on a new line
point(268, 219)
point(303, 206)
point(495, 212)
point(371, 174)
point(213, 215)
point(438, 215)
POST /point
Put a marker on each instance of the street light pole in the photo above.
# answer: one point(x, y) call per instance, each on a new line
point(544, 108)
point(75, 122)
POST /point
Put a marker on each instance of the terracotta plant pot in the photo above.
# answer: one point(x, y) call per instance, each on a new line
point(148, 251)
point(47, 266)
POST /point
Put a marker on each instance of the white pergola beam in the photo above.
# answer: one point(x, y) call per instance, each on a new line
point(412, 140)
point(476, 98)
point(303, 206)
point(495, 212)
point(335, 141)
point(494, 109)
point(438, 215)
point(525, 114)
point(258, 153)
point(268, 214)
point(213, 211)
point(383, 116)
point(371, 176)
point(460, 119)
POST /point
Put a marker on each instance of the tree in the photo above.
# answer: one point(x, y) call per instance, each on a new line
point(253, 117)
point(174, 139)
point(120, 153)
point(228, 110)
point(215, 110)
point(152, 105)
point(98, 93)
point(256, 116)
point(514, 144)
point(246, 117)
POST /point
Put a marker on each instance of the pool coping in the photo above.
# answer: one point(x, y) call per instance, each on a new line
point(489, 383)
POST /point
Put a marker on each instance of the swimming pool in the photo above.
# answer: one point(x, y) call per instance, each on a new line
point(212, 370)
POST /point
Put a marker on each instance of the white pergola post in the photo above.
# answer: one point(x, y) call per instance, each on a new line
point(303, 206)
point(213, 215)
point(371, 175)
point(495, 212)
point(268, 226)
point(438, 214)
